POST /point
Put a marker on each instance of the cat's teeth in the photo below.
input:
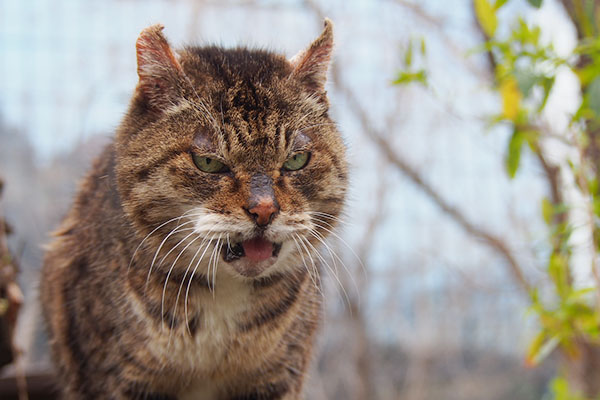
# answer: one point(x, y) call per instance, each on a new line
point(276, 249)
point(233, 252)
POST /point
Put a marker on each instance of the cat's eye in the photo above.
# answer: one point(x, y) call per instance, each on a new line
point(210, 165)
point(297, 161)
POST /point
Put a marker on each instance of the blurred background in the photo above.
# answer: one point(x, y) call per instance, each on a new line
point(441, 247)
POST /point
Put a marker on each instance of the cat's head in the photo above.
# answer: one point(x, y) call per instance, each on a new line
point(230, 156)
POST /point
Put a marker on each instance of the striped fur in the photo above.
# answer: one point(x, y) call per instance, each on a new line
point(139, 299)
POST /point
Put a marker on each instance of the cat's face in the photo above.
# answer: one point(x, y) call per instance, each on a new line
point(234, 152)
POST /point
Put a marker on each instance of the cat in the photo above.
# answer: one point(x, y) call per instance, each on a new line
point(185, 267)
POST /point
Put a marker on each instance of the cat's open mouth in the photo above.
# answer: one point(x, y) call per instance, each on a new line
point(256, 249)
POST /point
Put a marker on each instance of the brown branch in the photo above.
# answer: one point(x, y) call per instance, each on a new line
point(484, 36)
point(552, 173)
point(575, 11)
point(494, 243)
point(418, 10)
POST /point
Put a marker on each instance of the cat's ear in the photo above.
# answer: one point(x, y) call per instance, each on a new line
point(158, 69)
point(310, 65)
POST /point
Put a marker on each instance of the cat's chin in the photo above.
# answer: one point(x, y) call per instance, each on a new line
point(252, 269)
point(252, 257)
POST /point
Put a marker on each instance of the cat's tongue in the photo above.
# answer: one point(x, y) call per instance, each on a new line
point(258, 249)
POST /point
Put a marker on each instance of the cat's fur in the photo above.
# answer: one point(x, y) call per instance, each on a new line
point(124, 319)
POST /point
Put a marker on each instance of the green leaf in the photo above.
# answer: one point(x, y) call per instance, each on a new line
point(408, 54)
point(534, 348)
point(499, 3)
point(513, 156)
point(531, 137)
point(559, 273)
point(547, 84)
point(597, 206)
point(535, 3)
point(579, 293)
point(547, 210)
point(561, 390)
point(511, 98)
point(593, 186)
point(423, 46)
point(541, 348)
point(486, 16)
point(405, 77)
point(586, 74)
point(593, 96)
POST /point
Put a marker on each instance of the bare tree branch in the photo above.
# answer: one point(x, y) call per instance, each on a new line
point(418, 10)
point(493, 242)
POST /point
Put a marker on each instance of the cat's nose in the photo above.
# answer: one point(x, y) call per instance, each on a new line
point(262, 204)
point(263, 210)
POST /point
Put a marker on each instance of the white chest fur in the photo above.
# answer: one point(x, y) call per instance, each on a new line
point(199, 355)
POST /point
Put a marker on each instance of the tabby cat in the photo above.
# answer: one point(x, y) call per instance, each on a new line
point(185, 267)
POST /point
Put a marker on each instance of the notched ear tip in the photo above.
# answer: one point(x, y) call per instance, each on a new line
point(153, 48)
point(152, 30)
point(311, 65)
point(325, 39)
point(327, 29)
point(157, 67)
point(149, 37)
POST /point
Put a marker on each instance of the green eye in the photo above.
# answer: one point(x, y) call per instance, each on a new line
point(210, 165)
point(297, 161)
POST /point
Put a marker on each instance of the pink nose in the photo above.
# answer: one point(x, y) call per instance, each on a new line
point(263, 210)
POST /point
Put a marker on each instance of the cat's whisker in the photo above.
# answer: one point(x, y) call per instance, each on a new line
point(208, 276)
point(328, 216)
point(203, 246)
point(153, 231)
point(162, 305)
point(176, 230)
point(216, 264)
point(318, 216)
point(335, 256)
point(213, 262)
point(333, 273)
point(312, 261)
point(177, 245)
point(363, 268)
point(200, 248)
point(156, 253)
point(187, 290)
point(312, 278)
